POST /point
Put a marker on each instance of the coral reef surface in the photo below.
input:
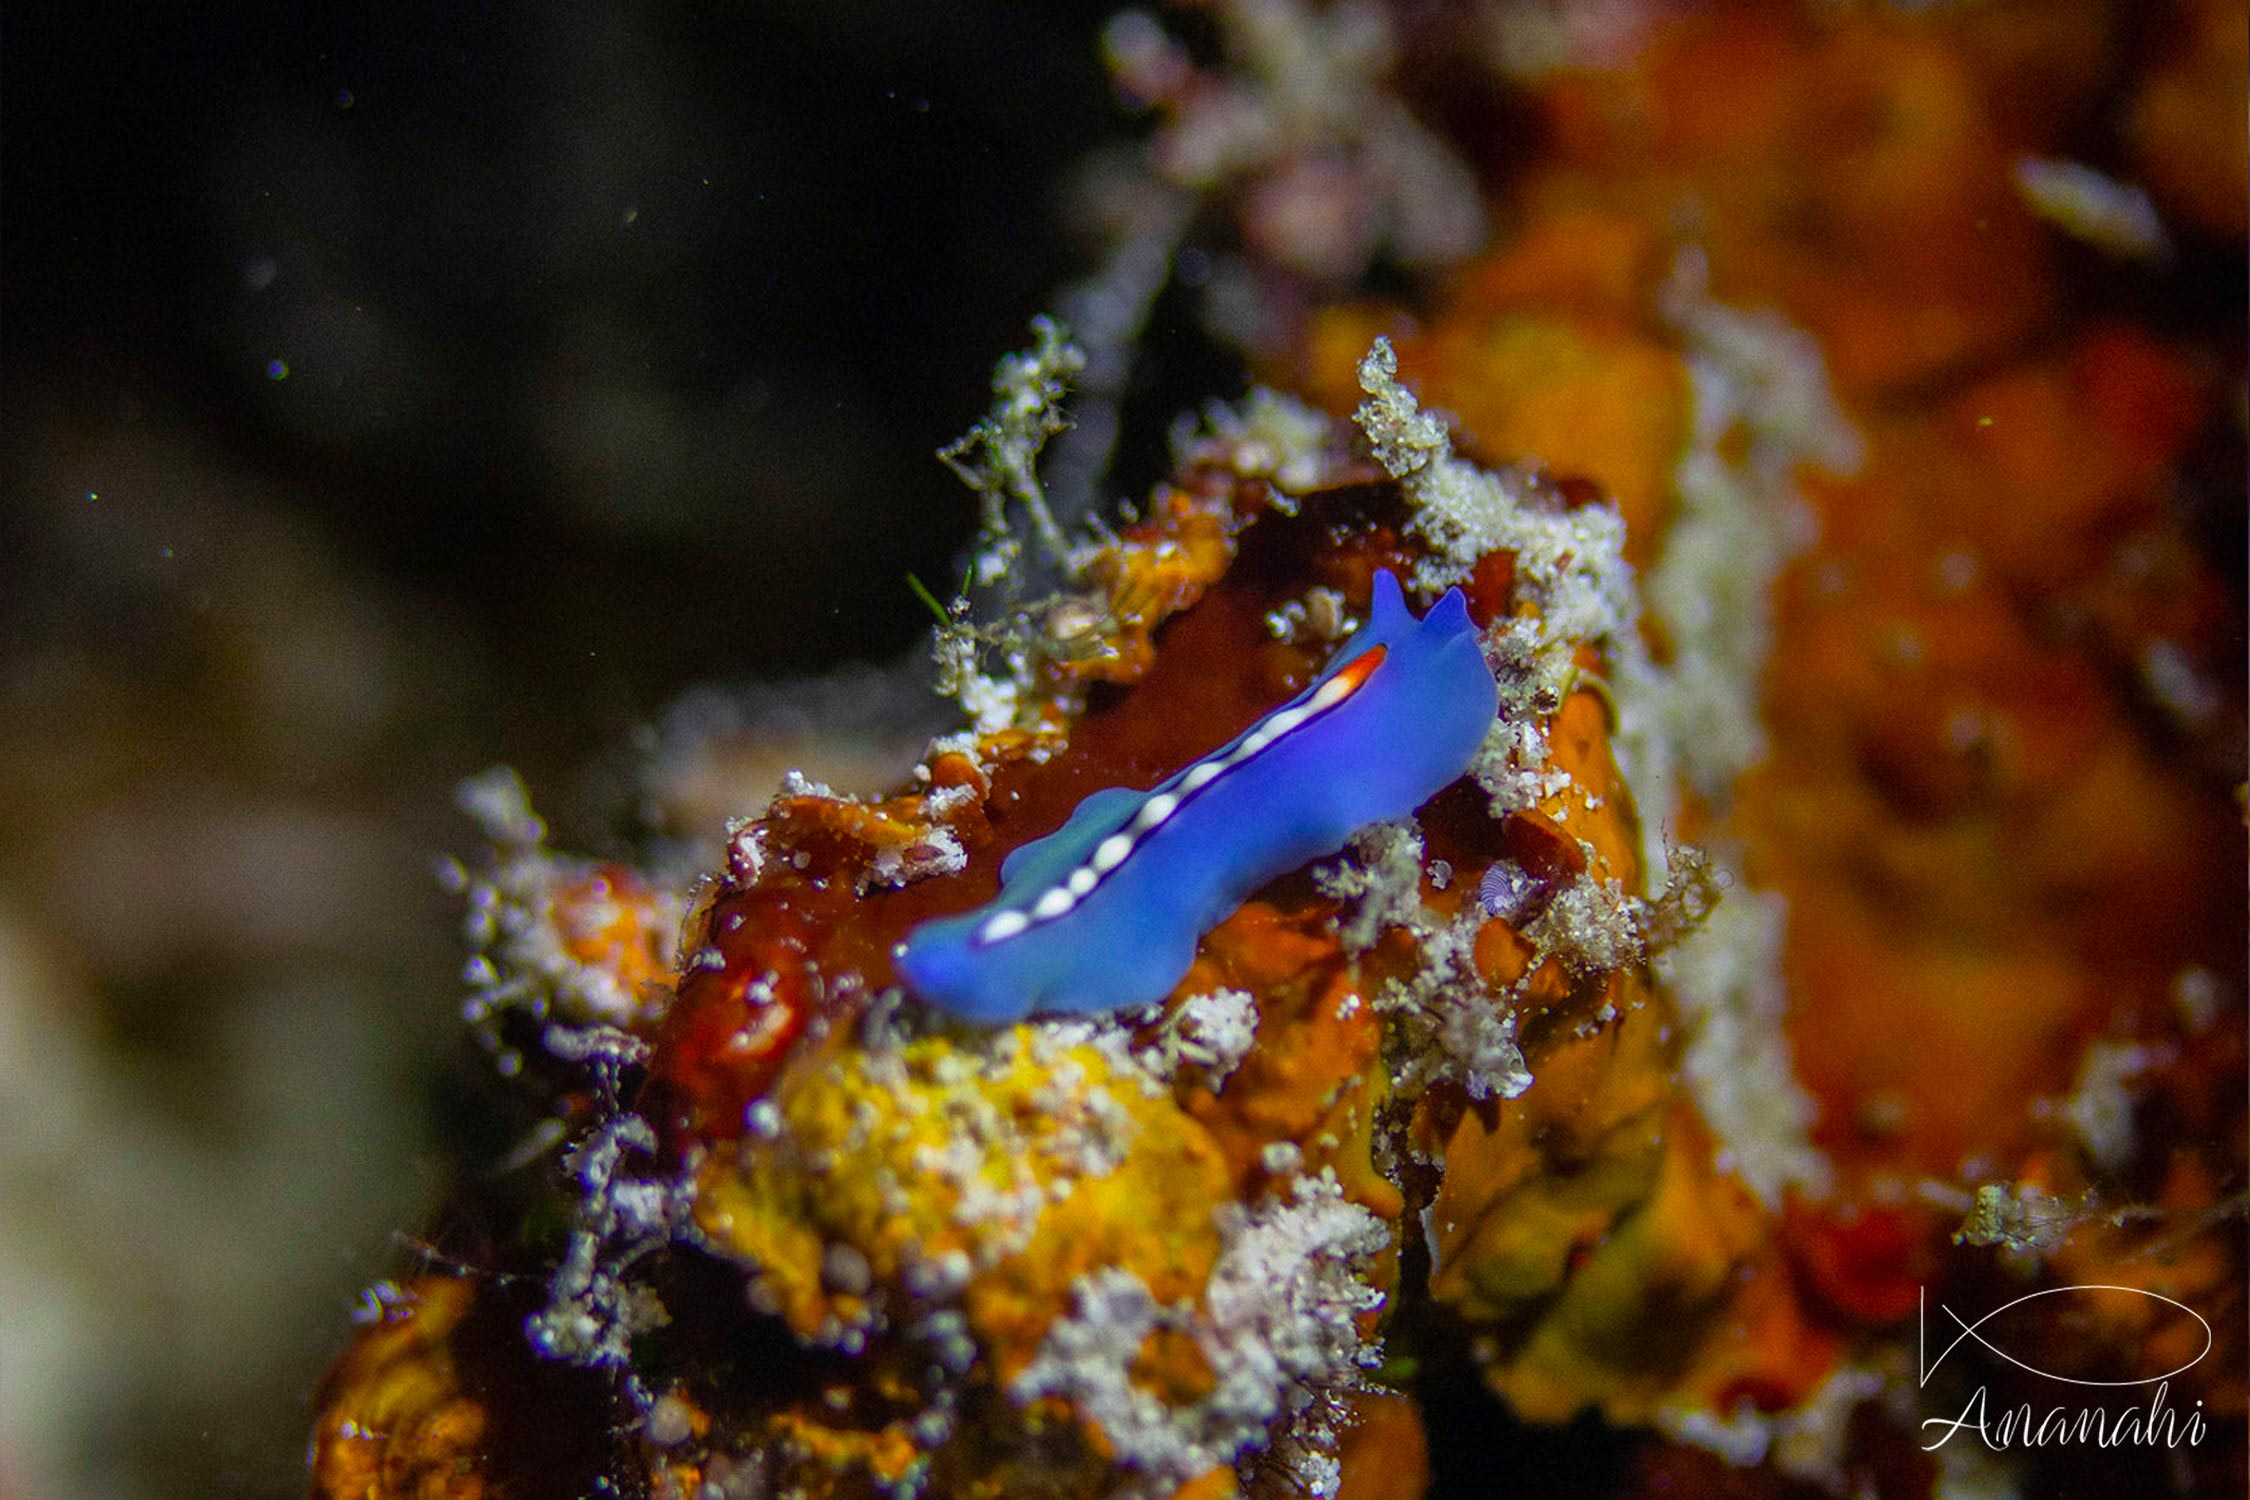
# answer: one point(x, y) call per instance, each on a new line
point(1842, 914)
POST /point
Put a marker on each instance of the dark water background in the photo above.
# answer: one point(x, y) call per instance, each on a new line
point(390, 391)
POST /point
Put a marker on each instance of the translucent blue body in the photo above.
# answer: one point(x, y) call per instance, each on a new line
point(1409, 728)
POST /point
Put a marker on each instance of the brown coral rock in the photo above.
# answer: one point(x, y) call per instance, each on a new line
point(1984, 798)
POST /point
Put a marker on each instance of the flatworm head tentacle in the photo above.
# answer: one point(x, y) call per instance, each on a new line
point(1105, 912)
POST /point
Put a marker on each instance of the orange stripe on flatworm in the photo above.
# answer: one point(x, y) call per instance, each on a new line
point(1359, 669)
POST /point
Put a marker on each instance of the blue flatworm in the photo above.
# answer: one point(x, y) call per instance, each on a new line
point(1104, 913)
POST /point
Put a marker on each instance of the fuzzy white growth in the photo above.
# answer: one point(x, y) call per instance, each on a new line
point(1726, 978)
point(795, 783)
point(992, 670)
point(593, 1310)
point(2100, 1106)
point(593, 1313)
point(1590, 925)
point(1456, 1027)
point(1404, 438)
point(1382, 882)
point(1266, 435)
point(1087, 1358)
point(1276, 1325)
point(1762, 410)
point(518, 932)
point(1305, 1458)
point(1511, 764)
point(1004, 1166)
point(1216, 1030)
point(1305, 118)
point(1570, 563)
point(900, 853)
point(1805, 1443)
point(934, 851)
point(999, 456)
point(992, 703)
point(1739, 523)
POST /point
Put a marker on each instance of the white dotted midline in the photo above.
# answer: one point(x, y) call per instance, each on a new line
point(1111, 852)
